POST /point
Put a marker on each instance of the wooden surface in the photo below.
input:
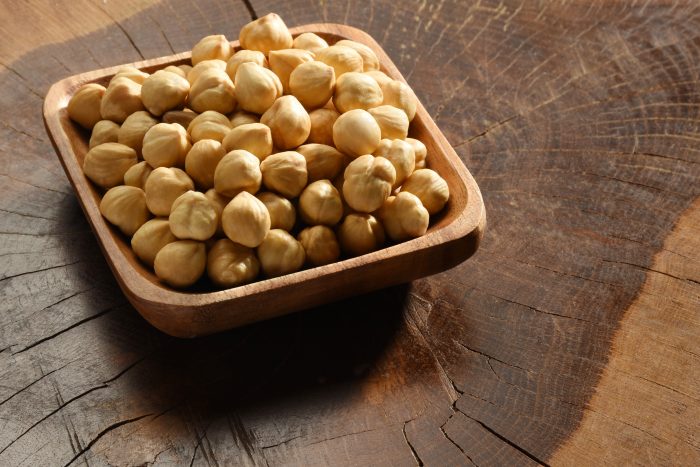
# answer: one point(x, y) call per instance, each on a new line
point(571, 338)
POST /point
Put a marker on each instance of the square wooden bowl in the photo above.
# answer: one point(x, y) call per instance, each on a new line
point(453, 235)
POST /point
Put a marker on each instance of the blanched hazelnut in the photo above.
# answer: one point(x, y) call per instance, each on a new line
point(282, 212)
point(121, 99)
point(309, 41)
point(163, 91)
point(201, 162)
point(280, 254)
point(244, 56)
point(404, 217)
point(246, 220)
point(288, 121)
point(129, 72)
point(84, 107)
point(369, 58)
point(163, 187)
point(420, 151)
point(255, 138)
point(312, 83)
point(241, 117)
point(181, 263)
point(401, 156)
point(213, 90)
point(209, 125)
point(239, 170)
point(134, 128)
point(203, 66)
point(185, 68)
point(210, 48)
point(150, 238)
point(356, 91)
point(368, 183)
point(320, 203)
point(219, 202)
point(138, 174)
point(320, 245)
point(285, 173)
point(177, 70)
point(429, 187)
point(125, 207)
point(265, 34)
point(257, 87)
point(360, 234)
point(322, 161)
point(322, 121)
point(356, 133)
point(342, 59)
point(181, 117)
point(400, 96)
point(230, 264)
point(193, 217)
point(106, 164)
point(104, 131)
point(166, 145)
point(392, 122)
point(379, 76)
point(283, 62)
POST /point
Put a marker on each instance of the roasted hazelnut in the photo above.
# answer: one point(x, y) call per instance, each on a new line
point(181, 117)
point(213, 90)
point(201, 162)
point(265, 34)
point(356, 133)
point(360, 234)
point(283, 62)
point(219, 202)
point(288, 121)
point(401, 156)
point(322, 121)
point(320, 245)
point(257, 87)
point(420, 151)
point(379, 76)
point(104, 131)
point(241, 117)
point(429, 187)
point(342, 59)
point(368, 183)
point(193, 217)
point(239, 170)
point(163, 187)
point(285, 173)
point(404, 217)
point(280, 254)
point(312, 83)
point(106, 163)
point(322, 161)
point(177, 70)
point(84, 107)
point(230, 264)
point(163, 91)
point(181, 263)
point(125, 207)
point(255, 138)
point(244, 56)
point(138, 174)
point(282, 212)
point(246, 220)
point(356, 91)
point(166, 145)
point(400, 96)
point(392, 122)
point(121, 99)
point(203, 66)
point(320, 203)
point(209, 125)
point(134, 128)
point(150, 238)
point(211, 48)
point(369, 58)
point(129, 72)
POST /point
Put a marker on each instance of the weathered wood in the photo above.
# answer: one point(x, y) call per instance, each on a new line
point(572, 337)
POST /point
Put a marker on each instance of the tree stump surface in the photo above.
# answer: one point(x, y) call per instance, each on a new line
point(572, 337)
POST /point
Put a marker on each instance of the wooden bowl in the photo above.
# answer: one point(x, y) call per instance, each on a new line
point(453, 236)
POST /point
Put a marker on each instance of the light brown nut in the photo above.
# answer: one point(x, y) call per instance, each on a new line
point(121, 99)
point(285, 173)
point(420, 151)
point(138, 174)
point(241, 117)
point(84, 107)
point(280, 254)
point(181, 263)
point(163, 187)
point(342, 59)
point(282, 212)
point(265, 34)
point(209, 125)
point(196, 71)
point(312, 83)
point(134, 128)
point(166, 145)
point(309, 41)
point(210, 48)
point(244, 56)
point(320, 245)
point(150, 238)
point(322, 121)
point(238, 171)
point(246, 220)
point(163, 91)
point(129, 72)
point(369, 58)
point(257, 87)
point(213, 90)
point(125, 207)
point(201, 162)
point(182, 117)
point(322, 161)
point(400, 96)
point(219, 202)
point(255, 138)
point(288, 121)
point(284, 62)
point(404, 217)
point(356, 91)
point(360, 234)
point(356, 133)
point(106, 163)
point(104, 131)
point(392, 122)
point(379, 76)
point(193, 217)
point(230, 264)
point(429, 187)
point(320, 204)
point(401, 156)
point(368, 183)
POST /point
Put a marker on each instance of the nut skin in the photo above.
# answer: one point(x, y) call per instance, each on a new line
point(201, 162)
point(196, 71)
point(392, 122)
point(163, 187)
point(320, 245)
point(342, 59)
point(320, 204)
point(280, 254)
point(399, 95)
point(360, 234)
point(213, 90)
point(282, 212)
point(125, 207)
point(257, 87)
point(369, 58)
point(163, 91)
point(166, 145)
point(429, 187)
point(244, 56)
point(134, 129)
point(401, 156)
point(84, 107)
point(356, 133)
point(193, 217)
point(210, 48)
point(238, 171)
point(284, 62)
point(219, 202)
point(138, 174)
point(404, 217)
point(255, 138)
point(356, 91)
point(285, 173)
point(322, 161)
point(181, 263)
point(150, 238)
point(241, 117)
point(288, 121)
point(106, 164)
point(230, 264)
point(322, 121)
point(209, 125)
point(420, 151)
point(309, 41)
point(368, 183)
point(121, 99)
point(312, 83)
point(246, 220)
point(265, 34)
point(104, 131)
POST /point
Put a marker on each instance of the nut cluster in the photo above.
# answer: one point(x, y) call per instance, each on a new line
point(257, 161)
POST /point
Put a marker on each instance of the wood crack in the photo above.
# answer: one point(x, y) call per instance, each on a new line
point(35, 381)
point(645, 268)
point(444, 433)
point(487, 130)
point(38, 270)
point(122, 29)
point(419, 462)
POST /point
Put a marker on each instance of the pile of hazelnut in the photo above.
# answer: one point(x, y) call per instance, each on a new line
point(209, 167)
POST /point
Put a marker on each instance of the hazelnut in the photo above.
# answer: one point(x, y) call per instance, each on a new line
point(138, 174)
point(400, 96)
point(429, 187)
point(219, 202)
point(246, 220)
point(177, 70)
point(134, 129)
point(84, 107)
point(360, 234)
point(125, 207)
point(356, 133)
point(404, 217)
point(368, 183)
point(201, 162)
point(163, 91)
point(320, 245)
point(150, 238)
point(420, 151)
point(282, 212)
point(104, 131)
point(185, 68)
point(322, 121)
point(239, 170)
point(197, 70)
point(106, 163)
point(309, 41)
point(213, 90)
point(193, 217)
point(181, 117)
point(241, 117)
point(209, 125)
point(285, 173)
point(265, 34)
point(230, 264)
point(341, 58)
point(257, 87)
point(163, 187)
point(401, 156)
point(253, 137)
point(244, 56)
point(356, 91)
point(369, 58)
point(288, 121)
point(166, 145)
point(320, 203)
point(392, 122)
point(131, 73)
point(121, 99)
point(312, 83)
point(379, 76)
point(211, 48)
point(181, 263)
point(280, 254)
point(283, 62)
point(322, 161)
